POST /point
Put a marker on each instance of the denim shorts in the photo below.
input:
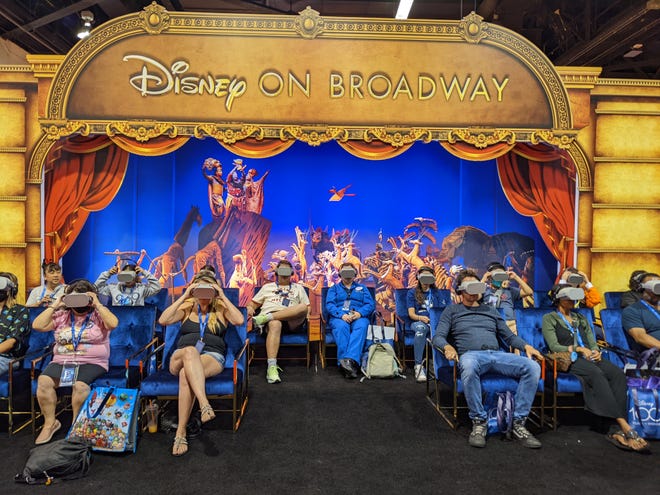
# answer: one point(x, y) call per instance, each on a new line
point(217, 356)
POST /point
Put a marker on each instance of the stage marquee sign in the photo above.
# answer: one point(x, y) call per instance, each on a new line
point(164, 73)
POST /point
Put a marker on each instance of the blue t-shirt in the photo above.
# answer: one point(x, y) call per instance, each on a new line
point(432, 299)
point(503, 299)
point(638, 315)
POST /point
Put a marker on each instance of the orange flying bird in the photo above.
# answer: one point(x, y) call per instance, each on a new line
point(339, 195)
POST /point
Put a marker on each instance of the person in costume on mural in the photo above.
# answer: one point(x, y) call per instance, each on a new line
point(216, 186)
point(419, 300)
point(130, 288)
point(14, 323)
point(82, 327)
point(254, 191)
point(635, 293)
point(45, 294)
point(236, 185)
point(642, 319)
point(349, 305)
point(283, 307)
point(576, 278)
point(604, 386)
point(476, 330)
point(204, 312)
point(501, 294)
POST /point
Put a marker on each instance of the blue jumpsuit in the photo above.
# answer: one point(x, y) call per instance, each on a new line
point(350, 337)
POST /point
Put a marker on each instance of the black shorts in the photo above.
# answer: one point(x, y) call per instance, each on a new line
point(302, 328)
point(87, 373)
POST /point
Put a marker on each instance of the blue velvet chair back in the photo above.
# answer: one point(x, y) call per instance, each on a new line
point(135, 330)
point(613, 299)
point(160, 300)
point(542, 300)
point(529, 323)
point(403, 321)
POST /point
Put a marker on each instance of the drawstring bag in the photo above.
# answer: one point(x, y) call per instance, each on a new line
point(55, 461)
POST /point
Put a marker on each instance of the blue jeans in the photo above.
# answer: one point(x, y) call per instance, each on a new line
point(421, 330)
point(473, 364)
point(350, 337)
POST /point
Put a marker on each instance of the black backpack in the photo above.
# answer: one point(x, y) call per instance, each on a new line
point(58, 460)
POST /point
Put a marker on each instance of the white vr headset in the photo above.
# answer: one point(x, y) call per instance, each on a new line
point(572, 293)
point(472, 287)
point(284, 271)
point(204, 291)
point(76, 300)
point(348, 272)
point(126, 276)
point(499, 276)
point(426, 278)
point(574, 279)
point(6, 283)
point(653, 286)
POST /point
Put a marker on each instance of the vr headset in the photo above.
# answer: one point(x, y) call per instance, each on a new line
point(426, 278)
point(6, 284)
point(652, 285)
point(348, 272)
point(499, 276)
point(574, 279)
point(284, 270)
point(76, 300)
point(126, 276)
point(572, 293)
point(204, 291)
point(472, 287)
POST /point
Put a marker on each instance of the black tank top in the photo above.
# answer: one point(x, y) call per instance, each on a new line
point(213, 342)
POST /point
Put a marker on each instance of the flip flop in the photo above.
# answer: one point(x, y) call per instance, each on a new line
point(53, 429)
point(632, 435)
point(612, 439)
point(178, 443)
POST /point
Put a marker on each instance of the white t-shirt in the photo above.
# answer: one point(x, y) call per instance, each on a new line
point(273, 297)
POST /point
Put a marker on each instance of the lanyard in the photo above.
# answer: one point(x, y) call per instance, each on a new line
point(574, 330)
point(74, 338)
point(651, 309)
point(349, 290)
point(202, 322)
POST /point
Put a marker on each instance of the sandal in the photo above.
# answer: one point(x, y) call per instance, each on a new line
point(618, 439)
point(207, 413)
point(180, 446)
point(637, 443)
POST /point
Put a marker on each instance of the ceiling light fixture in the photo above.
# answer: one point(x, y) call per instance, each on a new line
point(87, 19)
point(404, 9)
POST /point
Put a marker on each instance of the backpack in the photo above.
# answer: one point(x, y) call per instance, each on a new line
point(500, 417)
point(58, 460)
point(381, 361)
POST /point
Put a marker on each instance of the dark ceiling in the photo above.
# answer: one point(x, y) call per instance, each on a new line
point(622, 36)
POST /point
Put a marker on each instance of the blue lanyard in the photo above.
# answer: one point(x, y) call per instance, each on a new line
point(574, 330)
point(651, 309)
point(203, 322)
point(74, 338)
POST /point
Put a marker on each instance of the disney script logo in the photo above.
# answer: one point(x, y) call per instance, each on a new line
point(155, 78)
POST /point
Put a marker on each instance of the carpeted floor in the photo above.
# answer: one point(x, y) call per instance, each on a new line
point(317, 433)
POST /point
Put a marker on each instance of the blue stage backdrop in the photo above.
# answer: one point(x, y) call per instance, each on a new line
point(316, 206)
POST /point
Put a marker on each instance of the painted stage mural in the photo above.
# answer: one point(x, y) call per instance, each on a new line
point(317, 207)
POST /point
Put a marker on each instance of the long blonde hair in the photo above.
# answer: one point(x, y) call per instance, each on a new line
point(215, 306)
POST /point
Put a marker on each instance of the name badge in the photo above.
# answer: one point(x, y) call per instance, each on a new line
point(69, 374)
point(285, 302)
point(200, 346)
point(347, 305)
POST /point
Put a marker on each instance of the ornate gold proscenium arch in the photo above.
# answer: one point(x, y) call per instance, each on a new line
point(309, 78)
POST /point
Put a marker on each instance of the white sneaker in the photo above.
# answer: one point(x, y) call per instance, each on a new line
point(420, 373)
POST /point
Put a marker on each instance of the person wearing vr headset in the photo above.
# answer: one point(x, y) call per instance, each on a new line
point(283, 307)
point(82, 327)
point(130, 290)
point(419, 300)
point(575, 278)
point(476, 330)
point(204, 312)
point(642, 319)
point(14, 323)
point(349, 306)
point(501, 294)
point(45, 294)
point(604, 386)
point(635, 293)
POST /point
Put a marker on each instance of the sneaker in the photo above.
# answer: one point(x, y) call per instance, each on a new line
point(261, 320)
point(420, 373)
point(273, 374)
point(523, 435)
point(478, 434)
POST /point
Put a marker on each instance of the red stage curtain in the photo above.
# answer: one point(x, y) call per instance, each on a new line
point(161, 145)
point(468, 152)
point(88, 174)
point(539, 182)
point(374, 150)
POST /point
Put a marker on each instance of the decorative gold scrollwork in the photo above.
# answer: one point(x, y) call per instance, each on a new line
point(314, 137)
point(156, 19)
point(397, 138)
point(228, 135)
point(56, 130)
point(472, 28)
point(483, 138)
point(141, 133)
point(309, 24)
point(562, 141)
